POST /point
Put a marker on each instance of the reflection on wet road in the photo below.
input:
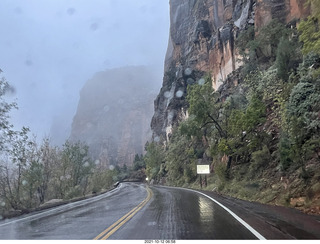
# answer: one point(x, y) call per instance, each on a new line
point(77, 221)
point(182, 214)
point(162, 213)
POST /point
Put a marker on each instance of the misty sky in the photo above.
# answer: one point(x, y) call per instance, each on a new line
point(50, 48)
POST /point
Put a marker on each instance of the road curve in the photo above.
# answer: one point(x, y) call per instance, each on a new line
point(179, 214)
point(135, 211)
point(82, 220)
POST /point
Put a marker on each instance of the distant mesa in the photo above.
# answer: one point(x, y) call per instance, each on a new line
point(114, 114)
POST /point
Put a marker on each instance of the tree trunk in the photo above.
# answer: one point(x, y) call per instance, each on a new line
point(229, 162)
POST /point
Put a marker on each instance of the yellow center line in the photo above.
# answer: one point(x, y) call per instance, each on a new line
point(115, 226)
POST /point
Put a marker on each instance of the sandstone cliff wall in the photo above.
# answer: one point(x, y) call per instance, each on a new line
point(202, 39)
point(114, 113)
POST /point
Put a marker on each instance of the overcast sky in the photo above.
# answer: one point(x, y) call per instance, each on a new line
point(50, 48)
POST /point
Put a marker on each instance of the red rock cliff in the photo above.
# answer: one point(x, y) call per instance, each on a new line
point(202, 39)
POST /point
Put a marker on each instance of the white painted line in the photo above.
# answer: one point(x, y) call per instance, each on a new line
point(63, 207)
point(245, 224)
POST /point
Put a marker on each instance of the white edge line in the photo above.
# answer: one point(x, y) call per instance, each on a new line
point(64, 207)
point(245, 224)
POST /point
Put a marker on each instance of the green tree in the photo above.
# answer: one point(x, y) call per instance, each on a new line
point(181, 160)
point(138, 162)
point(244, 135)
point(247, 46)
point(20, 153)
point(259, 49)
point(309, 29)
point(40, 173)
point(154, 158)
point(102, 179)
point(75, 169)
point(5, 108)
point(138, 170)
point(204, 107)
point(285, 152)
point(269, 37)
point(17, 149)
point(285, 58)
point(303, 112)
point(32, 178)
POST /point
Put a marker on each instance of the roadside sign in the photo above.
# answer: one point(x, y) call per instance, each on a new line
point(203, 169)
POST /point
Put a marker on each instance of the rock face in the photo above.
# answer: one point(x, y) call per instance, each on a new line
point(202, 39)
point(114, 114)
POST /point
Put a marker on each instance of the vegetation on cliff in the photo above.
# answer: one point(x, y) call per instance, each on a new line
point(262, 140)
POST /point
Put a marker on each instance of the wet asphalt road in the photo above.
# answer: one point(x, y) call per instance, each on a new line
point(182, 214)
point(131, 211)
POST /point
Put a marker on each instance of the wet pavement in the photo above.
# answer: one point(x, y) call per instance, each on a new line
point(273, 222)
point(136, 211)
point(76, 221)
point(181, 214)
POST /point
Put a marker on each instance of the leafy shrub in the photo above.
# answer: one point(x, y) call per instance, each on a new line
point(259, 51)
point(260, 159)
point(285, 152)
point(221, 171)
point(285, 58)
point(310, 35)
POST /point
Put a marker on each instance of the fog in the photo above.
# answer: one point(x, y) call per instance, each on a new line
point(49, 49)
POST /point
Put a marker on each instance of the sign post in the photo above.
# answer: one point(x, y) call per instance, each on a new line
point(203, 169)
